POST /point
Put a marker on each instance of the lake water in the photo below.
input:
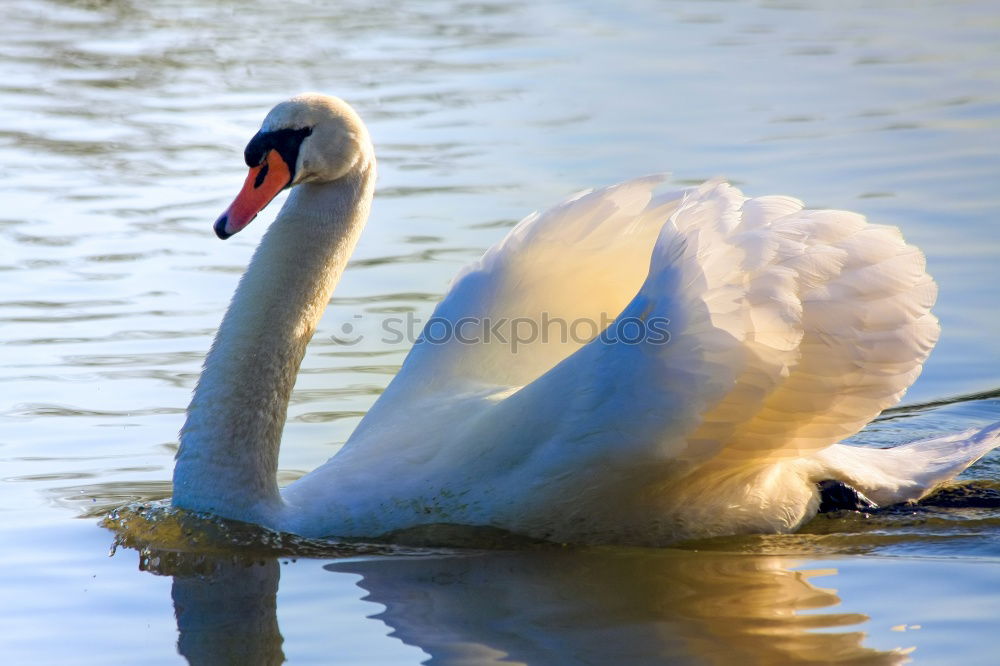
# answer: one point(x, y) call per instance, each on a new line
point(121, 130)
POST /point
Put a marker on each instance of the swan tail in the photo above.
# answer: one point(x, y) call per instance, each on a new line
point(910, 471)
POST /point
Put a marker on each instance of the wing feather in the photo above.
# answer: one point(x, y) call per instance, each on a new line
point(789, 329)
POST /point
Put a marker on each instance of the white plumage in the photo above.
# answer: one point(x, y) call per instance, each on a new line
point(789, 329)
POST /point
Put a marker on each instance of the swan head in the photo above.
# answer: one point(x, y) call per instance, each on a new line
point(310, 138)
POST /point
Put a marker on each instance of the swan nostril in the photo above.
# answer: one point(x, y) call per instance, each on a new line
point(261, 175)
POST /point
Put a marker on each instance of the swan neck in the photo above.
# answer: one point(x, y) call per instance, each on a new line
point(228, 457)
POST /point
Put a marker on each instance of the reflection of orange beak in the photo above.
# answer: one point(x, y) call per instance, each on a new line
point(262, 184)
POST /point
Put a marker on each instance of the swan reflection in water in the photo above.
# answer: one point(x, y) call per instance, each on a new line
point(595, 606)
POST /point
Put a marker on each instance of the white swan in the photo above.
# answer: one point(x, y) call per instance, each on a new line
point(750, 336)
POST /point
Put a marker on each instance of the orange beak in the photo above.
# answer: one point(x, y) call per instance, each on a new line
point(262, 184)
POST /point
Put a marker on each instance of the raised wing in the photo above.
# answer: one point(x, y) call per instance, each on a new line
point(788, 330)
